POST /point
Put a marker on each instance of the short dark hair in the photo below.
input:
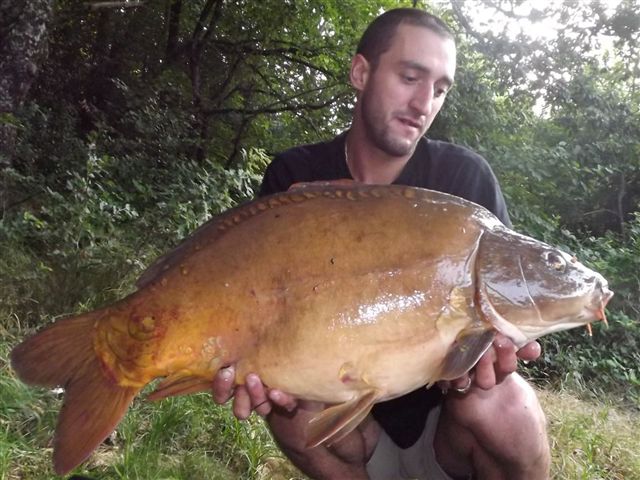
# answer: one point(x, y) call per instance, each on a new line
point(376, 39)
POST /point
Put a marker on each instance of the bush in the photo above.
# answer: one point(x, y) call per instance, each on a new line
point(608, 363)
point(83, 236)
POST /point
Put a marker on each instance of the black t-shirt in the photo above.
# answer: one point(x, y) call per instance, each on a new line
point(435, 165)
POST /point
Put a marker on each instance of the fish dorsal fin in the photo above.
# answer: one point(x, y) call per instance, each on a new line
point(464, 353)
point(297, 193)
point(180, 384)
point(319, 184)
point(334, 423)
point(211, 230)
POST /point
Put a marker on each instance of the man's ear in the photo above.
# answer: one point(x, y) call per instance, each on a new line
point(360, 71)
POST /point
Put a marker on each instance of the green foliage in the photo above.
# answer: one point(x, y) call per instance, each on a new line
point(91, 230)
point(590, 439)
point(146, 121)
point(178, 438)
point(609, 363)
point(26, 421)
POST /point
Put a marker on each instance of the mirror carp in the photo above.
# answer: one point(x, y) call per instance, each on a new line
point(344, 294)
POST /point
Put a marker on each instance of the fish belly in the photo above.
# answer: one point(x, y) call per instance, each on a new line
point(372, 331)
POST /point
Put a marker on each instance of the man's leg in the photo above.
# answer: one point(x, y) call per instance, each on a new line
point(346, 458)
point(495, 434)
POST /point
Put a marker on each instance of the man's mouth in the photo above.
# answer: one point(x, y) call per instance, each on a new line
point(410, 122)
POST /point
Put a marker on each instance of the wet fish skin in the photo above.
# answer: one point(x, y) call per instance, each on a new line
point(347, 295)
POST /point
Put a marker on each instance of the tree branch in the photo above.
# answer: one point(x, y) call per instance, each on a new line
point(124, 4)
point(276, 107)
point(221, 96)
point(307, 64)
point(246, 120)
point(462, 20)
point(204, 14)
point(212, 9)
point(173, 19)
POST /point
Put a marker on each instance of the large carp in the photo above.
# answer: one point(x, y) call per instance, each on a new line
point(347, 295)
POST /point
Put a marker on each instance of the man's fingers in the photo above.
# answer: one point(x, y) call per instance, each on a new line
point(531, 351)
point(506, 359)
point(223, 385)
point(252, 395)
point(485, 374)
point(241, 403)
point(283, 400)
point(257, 395)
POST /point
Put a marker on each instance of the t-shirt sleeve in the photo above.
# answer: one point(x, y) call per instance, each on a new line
point(287, 168)
point(306, 163)
point(485, 190)
point(473, 179)
point(277, 177)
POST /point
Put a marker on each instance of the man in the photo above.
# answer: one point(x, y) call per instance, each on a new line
point(489, 425)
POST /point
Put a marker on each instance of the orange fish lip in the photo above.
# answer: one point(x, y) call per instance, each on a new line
point(599, 313)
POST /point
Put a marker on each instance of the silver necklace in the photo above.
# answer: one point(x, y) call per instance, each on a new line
point(346, 158)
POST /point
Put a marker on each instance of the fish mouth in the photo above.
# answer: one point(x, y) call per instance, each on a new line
point(521, 334)
point(597, 311)
point(589, 314)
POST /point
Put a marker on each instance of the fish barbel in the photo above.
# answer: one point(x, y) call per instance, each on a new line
point(344, 294)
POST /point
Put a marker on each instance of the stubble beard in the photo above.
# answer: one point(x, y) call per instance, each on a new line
point(378, 131)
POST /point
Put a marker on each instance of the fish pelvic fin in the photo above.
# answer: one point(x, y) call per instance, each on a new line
point(178, 384)
point(63, 355)
point(464, 353)
point(335, 423)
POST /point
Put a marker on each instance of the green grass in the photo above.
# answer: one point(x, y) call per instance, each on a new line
point(177, 438)
point(591, 439)
point(191, 438)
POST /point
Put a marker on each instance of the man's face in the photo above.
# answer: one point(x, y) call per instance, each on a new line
point(402, 95)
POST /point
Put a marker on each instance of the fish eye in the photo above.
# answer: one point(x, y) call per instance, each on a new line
point(555, 261)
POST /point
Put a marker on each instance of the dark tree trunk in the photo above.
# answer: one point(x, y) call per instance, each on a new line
point(23, 35)
point(173, 20)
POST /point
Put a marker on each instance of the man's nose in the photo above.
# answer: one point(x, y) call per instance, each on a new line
point(422, 99)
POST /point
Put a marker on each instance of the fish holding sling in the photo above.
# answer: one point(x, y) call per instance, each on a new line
point(344, 294)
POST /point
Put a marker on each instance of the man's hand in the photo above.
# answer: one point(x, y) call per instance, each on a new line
point(347, 457)
point(495, 365)
point(253, 395)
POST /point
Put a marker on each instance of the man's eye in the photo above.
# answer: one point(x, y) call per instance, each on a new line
point(441, 92)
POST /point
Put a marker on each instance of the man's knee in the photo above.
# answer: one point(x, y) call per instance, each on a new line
point(505, 423)
point(512, 404)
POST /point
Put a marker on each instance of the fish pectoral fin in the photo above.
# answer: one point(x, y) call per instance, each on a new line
point(469, 346)
point(335, 423)
point(180, 384)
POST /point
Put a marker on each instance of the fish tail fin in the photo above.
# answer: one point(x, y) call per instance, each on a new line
point(63, 355)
